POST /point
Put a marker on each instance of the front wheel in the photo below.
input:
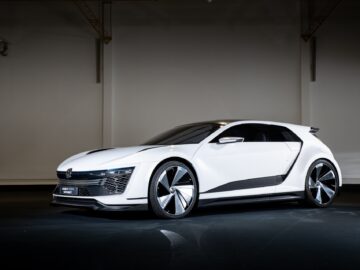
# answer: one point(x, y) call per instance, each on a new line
point(173, 190)
point(322, 184)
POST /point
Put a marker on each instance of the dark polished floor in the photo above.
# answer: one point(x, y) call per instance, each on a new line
point(261, 236)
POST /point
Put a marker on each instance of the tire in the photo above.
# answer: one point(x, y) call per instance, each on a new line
point(321, 184)
point(173, 190)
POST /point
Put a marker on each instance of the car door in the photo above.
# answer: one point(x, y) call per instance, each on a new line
point(254, 164)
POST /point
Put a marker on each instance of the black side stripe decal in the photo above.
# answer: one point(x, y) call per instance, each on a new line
point(249, 183)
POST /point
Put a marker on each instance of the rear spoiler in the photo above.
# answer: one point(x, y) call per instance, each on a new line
point(314, 130)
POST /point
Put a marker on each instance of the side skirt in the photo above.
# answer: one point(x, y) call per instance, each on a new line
point(293, 196)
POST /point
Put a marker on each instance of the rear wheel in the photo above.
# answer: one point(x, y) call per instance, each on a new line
point(173, 190)
point(322, 184)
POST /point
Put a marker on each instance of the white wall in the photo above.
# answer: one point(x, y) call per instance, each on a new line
point(335, 95)
point(50, 104)
point(179, 63)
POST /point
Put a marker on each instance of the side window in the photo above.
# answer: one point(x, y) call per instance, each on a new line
point(281, 134)
point(250, 133)
point(260, 133)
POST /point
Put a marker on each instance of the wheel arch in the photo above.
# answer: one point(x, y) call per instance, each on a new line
point(316, 158)
point(332, 162)
point(175, 158)
point(296, 178)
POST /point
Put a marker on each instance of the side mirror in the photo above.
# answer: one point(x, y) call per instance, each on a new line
point(224, 140)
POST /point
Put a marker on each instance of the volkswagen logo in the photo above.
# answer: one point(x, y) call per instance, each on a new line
point(69, 173)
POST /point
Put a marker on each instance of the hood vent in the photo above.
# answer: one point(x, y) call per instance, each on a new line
point(98, 150)
point(152, 147)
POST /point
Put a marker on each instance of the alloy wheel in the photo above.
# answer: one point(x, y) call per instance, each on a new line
point(175, 190)
point(322, 183)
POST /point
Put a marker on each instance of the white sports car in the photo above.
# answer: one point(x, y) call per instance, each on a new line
point(201, 164)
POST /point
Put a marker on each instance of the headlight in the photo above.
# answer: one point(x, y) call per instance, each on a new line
point(115, 173)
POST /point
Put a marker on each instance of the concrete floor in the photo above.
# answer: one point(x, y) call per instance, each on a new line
point(261, 236)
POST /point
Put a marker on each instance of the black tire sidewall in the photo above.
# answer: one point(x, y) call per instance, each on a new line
point(153, 202)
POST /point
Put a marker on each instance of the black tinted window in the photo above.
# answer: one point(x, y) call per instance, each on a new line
point(250, 133)
point(187, 134)
point(280, 134)
point(260, 133)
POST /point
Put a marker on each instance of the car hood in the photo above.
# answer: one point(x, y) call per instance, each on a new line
point(98, 158)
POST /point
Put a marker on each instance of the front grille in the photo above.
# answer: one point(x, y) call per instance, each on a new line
point(87, 175)
point(96, 183)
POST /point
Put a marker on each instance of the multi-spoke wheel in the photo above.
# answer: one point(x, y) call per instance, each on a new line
point(322, 183)
point(173, 190)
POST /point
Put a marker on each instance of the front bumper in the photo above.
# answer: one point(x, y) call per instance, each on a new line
point(97, 190)
point(95, 183)
point(94, 204)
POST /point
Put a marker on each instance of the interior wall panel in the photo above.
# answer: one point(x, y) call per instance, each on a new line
point(50, 103)
point(175, 63)
point(335, 95)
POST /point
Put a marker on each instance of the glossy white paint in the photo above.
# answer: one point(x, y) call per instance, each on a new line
point(214, 164)
point(224, 163)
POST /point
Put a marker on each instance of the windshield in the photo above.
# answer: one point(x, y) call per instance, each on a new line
point(187, 134)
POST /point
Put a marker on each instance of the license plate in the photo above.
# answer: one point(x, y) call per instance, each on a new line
point(73, 191)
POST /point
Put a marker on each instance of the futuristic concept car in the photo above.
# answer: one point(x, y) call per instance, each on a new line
point(201, 164)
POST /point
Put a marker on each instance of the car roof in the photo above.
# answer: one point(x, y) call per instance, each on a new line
point(220, 121)
point(225, 122)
